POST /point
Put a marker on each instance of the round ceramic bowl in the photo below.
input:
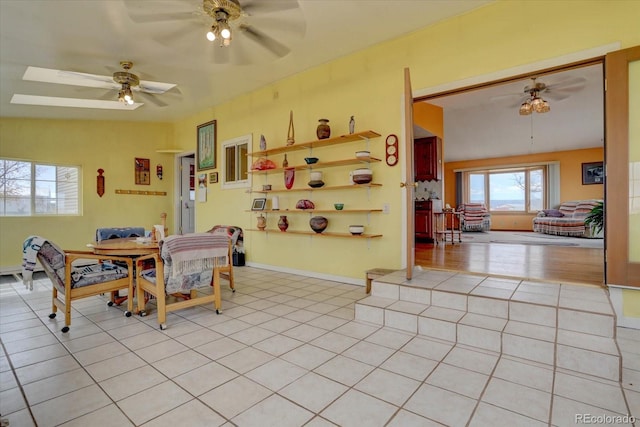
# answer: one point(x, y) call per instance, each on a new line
point(315, 184)
point(356, 229)
point(363, 154)
point(311, 160)
point(338, 206)
point(362, 176)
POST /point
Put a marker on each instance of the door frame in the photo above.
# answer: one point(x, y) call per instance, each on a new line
point(177, 203)
point(575, 59)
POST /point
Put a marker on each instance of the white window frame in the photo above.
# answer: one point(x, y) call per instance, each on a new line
point(506, 169)
point(32, 192)
point(239, 183)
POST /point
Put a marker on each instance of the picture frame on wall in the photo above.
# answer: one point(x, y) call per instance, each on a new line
point(142, 171)
point(206, 147)
point(259, 204)
point(592, 173)
point(213, 177)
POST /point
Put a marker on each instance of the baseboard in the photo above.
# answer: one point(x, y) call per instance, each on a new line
point(314, 274)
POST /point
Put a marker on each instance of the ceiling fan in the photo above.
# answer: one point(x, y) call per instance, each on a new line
point(227, 23)
point(124, 82)
point(534, 96)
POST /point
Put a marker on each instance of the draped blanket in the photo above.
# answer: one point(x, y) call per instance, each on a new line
point(193, 253)
point(30, 249)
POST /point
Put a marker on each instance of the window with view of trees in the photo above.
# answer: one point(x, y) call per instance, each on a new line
point(520, 189)
point(30, 189)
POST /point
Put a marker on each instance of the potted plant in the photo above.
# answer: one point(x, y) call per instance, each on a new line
point(595, 218)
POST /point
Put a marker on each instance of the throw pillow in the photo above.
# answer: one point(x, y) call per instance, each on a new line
point(553, 213)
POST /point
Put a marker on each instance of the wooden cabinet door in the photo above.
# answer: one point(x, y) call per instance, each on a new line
point(427, 157)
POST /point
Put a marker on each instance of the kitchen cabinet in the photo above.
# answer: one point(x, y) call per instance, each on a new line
point(428, 159)
point(423, 220)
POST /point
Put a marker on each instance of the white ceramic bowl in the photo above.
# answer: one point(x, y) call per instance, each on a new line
point(356, 229)
point(361, 154)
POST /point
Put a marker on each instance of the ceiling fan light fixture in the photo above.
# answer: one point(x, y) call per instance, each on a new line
point(211, 35)
point(526, 108)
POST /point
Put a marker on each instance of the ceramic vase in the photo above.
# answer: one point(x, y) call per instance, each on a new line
point(283, 223)
point(318, 223)
point(324, 130)
point(262, 222)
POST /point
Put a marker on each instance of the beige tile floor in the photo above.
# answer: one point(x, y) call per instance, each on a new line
point(285, 352)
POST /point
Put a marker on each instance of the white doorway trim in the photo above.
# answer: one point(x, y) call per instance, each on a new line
point(177, 205)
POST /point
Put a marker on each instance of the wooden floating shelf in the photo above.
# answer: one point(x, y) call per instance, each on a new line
point(320, 165)
point(142, 192)
point(323, 234)
point(288, 211)
point(337, 187)
point(317, 144)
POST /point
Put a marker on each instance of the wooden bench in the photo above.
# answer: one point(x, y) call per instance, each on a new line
point(375, 273)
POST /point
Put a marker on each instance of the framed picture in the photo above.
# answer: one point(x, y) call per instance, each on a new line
point(207, 145)
point(592, 173)
point(142, 171)
point(258, 204)
point(213, 177)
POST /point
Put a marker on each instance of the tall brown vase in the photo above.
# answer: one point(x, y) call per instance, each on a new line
point(283, 223)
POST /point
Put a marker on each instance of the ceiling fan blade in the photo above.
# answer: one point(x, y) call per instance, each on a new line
point(162, 17)
point(261, 6)
point(153, 99)
point(266, 41)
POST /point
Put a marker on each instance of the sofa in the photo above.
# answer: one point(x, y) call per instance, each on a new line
point(567, 220)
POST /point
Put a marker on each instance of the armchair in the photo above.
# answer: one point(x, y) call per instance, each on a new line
point(72, 281)
point(474, 217)
point(185, 263)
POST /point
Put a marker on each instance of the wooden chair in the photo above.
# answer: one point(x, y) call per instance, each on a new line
point(235, 235)
point(185, 263)
point(71, 281)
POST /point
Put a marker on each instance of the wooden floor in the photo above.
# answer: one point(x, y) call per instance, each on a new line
point(535, 262)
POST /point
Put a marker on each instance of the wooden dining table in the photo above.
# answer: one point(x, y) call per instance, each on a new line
point(124, 247)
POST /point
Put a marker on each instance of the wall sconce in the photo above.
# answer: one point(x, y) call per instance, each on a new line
point(159, 171)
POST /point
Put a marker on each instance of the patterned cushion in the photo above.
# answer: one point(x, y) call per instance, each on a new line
point(118, 233)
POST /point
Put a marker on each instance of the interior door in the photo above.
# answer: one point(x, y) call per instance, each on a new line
point(187, 195)
point(622, 154)
point(408, 183)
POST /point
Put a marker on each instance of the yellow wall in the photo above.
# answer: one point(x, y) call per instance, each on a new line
point(571, 187)
point(111, 146)
point(368, 85)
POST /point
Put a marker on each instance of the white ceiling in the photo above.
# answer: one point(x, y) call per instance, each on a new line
point(485, 123)
point(94, 36)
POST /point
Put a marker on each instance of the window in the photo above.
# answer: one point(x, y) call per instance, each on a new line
point(235, 160)
point(31, 189)
point(518, 189)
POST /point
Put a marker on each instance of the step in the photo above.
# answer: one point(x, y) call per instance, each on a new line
point(571, 327)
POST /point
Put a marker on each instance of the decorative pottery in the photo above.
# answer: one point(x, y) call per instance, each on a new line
point(266, 187)
point(291, 132)
point(305, 204)
point(352, 125)
point(275, 203)
point(324, 130)
point(283, 223)
point(362, 176)
point(285, 162)
point(289, 177)
point(263, 143)
point(338, 206)
point(316, 179)
point(318, 223)
point(362, 154)
point(311, 160)
point(262, 222)
point(356, 229)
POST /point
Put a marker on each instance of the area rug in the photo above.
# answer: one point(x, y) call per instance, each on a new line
point(524, 238)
